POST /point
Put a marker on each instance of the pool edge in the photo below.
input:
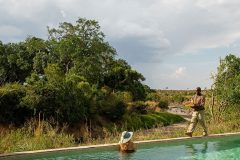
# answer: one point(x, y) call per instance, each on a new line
point(111, 145)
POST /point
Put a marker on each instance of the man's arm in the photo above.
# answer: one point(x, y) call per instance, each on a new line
point(192, 100)
point(203, 101)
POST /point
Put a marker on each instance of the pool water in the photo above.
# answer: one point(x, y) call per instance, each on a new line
point(221, 148)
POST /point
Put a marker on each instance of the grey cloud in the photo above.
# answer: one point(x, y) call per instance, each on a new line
point(31, 19)
point(181, 26)
point(143, 32)
point(135, 51)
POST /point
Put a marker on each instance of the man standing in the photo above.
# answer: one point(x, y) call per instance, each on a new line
point(198, 101)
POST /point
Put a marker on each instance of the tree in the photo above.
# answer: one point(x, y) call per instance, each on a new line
point(81, 47)
point(227, 80)
point(40, 51)
point(226, 87)
point(67, 75)
point(15, 62)
point(64, 97)
point(10, 104)
point(122, 77)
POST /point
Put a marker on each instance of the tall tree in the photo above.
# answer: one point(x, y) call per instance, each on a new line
point(81, 47)
point(15, 62)
point(122, 77)
point(227, 80)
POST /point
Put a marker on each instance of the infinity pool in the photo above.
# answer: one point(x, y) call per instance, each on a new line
point(221, 148)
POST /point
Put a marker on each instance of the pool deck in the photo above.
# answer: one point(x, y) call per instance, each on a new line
point(112, 144)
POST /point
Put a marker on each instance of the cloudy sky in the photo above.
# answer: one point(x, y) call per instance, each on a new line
point(173, 43)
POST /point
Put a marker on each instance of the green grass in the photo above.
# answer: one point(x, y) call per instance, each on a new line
point(136, 121)
point(34, 136)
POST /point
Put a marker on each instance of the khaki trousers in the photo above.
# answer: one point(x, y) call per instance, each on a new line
point(197, 116)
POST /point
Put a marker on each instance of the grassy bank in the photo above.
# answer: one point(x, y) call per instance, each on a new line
point(36, 134)
point(166, 132)
point(150, 120)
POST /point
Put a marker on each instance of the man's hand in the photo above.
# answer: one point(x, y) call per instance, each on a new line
point(188, 104)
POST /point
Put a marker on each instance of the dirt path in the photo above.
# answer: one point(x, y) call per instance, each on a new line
point(170, 130)
point(178, 110)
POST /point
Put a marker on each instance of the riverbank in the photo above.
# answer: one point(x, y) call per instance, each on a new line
point(37, 134)
point(49, 137)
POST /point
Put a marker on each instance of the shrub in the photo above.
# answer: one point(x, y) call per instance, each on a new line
point(64, 97)
point(153, 96)
point(163, 104)
point(132, 121)
point(124, 96)
point(152, 106)
point(138, 107)
point(111, 105)
point(10, 107)
point(178, 98)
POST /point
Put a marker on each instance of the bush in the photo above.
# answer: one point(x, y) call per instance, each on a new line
point(138, 91)
point(124, 96)
point(138, 107)
point(178, 98)
point(153, 96)
point(111, 105)
point(163, 104)
point(64, 97)
point(10, 107)
point(132, 122)
point(152, 106)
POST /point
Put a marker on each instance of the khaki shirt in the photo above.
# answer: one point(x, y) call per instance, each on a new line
point(198, 101)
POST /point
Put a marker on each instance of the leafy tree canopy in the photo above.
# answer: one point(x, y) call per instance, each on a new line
point(71, 76)
point(227, 80)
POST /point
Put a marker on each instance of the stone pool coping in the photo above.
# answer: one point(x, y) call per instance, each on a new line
point(111, 145)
